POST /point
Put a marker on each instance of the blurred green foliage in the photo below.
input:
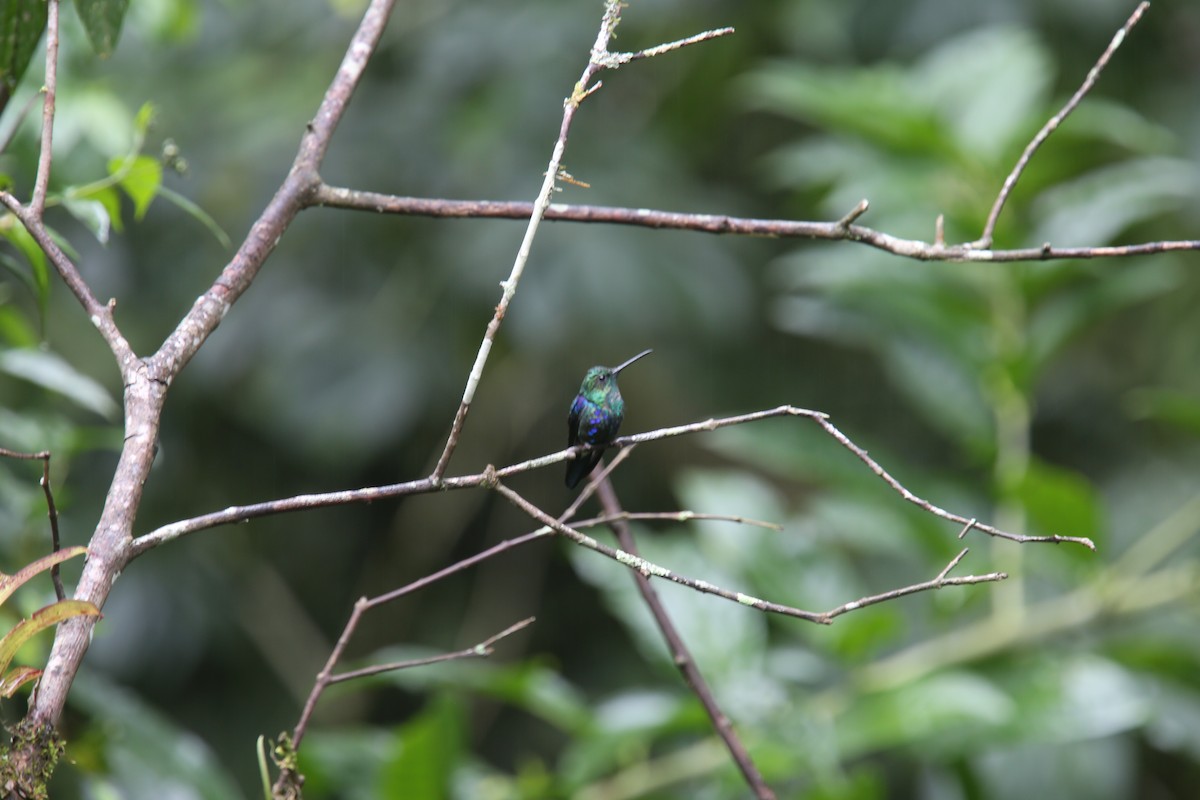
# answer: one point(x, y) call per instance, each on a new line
point(1057, 397)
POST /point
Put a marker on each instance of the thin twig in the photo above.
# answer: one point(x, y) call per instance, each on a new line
point(930, 507)
point(599, 60)
point(41, 183)
point(615, 60)
point(679, 650)
point(853, 214)
point(100, 314)
point(648, 568)
point(52, 512)
point(989, 228)
point(723, 224)
point(481, 650)
point(936, 583)
point(51, 509)
point(365, 604)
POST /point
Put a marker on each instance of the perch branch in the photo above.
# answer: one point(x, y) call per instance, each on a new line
point(369, 494)
point(679, 650)
point(989, 228)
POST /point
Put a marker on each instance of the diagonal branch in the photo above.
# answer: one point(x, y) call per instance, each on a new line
point(1052, 124)
point(679, 651)
point(100, 314)
point(295, 194)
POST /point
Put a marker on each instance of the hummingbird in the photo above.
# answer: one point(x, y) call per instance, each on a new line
point(595, 417)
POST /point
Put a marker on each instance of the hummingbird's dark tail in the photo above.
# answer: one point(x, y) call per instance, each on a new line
point(581, 467)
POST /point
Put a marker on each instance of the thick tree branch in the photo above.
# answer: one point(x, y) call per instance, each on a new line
point(295, 194)
point(146, 382)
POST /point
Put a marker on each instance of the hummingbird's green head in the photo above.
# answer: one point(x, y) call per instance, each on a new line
point(600, 383)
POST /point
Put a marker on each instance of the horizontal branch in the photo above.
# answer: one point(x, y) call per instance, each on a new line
point(489, 476)
point(841, 230)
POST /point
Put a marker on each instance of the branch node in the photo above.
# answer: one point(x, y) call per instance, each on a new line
point(845, 222)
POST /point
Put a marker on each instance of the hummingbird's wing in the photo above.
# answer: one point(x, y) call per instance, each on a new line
point(573, 420)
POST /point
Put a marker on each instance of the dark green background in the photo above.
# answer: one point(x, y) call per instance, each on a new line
point(1045, 398)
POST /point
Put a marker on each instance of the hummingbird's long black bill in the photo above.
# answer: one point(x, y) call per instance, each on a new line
point(642, 354)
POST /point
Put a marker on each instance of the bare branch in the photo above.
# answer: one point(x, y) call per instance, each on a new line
point(679, 651)
point(614, 60)
point(1093, 75)
point(930, 507)
point(481, 650)
point(722, 224)
point(368, 494)
point(936, 583)
point(295, 194)
point(853, 214)
point(648, 568)
point(600, 59)
point(100, 314)
point(146, 381)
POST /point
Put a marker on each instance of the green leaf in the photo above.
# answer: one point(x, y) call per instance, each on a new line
point(879, 104)
point(38, 270)
point(427, 751)
point(1059, 501)
point(21, 26)
point(140, 177)
point(102, 20)
point(1162, 404)
point(39, 621)
point(94, 216)
point(1101, 205)
point(197, 213)
point(145, 753)
point(990, 86)
point(50, 371)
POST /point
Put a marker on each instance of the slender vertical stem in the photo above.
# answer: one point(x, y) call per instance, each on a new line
point(612, 16)
point(42, 182)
